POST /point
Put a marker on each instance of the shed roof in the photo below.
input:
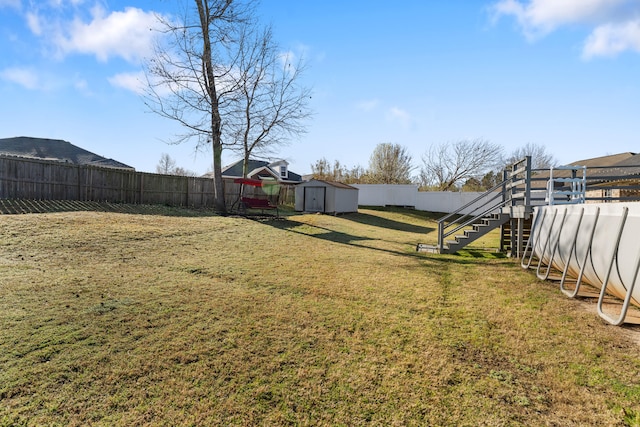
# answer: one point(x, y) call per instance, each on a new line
point(334, 184)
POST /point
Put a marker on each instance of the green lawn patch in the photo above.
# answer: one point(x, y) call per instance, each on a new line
point(111, 318)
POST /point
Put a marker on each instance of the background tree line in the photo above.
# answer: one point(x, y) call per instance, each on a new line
point(219, 73)
point(466, 165)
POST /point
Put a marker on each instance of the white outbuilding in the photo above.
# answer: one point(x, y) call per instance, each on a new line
point(326, 197)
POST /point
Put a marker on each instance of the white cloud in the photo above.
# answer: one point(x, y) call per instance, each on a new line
point(33, 22)
point(610, 40)
point(25, 77)
point(399, 115)
point(135, 82)
point(288, 61)
point(124, 34)
point(292, 60)
point(540, 17)
point(615, 22)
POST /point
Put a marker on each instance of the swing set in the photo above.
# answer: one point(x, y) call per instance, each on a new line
point(244, 203)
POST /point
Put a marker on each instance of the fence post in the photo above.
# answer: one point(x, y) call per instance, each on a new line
point(187, 191)
point(527, 191)
point(141, 188)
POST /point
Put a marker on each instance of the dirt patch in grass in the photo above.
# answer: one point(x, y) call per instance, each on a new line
point(123, 319)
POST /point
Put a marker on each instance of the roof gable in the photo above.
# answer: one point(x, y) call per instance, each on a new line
point(263, 172)
point(234, 170)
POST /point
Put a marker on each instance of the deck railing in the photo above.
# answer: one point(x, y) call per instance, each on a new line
point(514, 190)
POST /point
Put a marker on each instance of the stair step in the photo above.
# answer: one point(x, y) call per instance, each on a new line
point(432, 249)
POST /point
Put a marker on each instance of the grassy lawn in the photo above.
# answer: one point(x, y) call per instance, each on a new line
point(152, 319)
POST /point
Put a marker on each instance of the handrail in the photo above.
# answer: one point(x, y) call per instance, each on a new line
point(578, 186)
point(441, 221)
point(472, 213)
point(512, 180)
point(472, 220)
point(480, 197)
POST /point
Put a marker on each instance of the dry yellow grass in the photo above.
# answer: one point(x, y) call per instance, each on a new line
point(124, 319)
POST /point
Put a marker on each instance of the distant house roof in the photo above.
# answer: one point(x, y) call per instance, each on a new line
point(630, 165)
point(260, 169)
point(596, 162)
point(610, 160)
point(55, 150)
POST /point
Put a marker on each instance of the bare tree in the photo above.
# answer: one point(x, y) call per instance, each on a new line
point(448, 165)
point(324, 170)
point(390, 164)
point(180, 171)
point(540, 158)
point(356, 175)
point(270, 106)
point(188, 74)
point(166, 165)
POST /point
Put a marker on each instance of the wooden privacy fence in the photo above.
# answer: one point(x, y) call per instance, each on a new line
point(34, 179)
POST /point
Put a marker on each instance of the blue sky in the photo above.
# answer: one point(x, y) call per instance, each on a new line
point(558, 73)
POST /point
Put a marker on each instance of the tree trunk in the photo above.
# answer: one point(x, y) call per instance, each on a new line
point(245, 165)
point(216, 137)
point(245, 170)
point(218, 187)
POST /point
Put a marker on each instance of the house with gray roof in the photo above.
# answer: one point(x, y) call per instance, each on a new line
point(260, 169)
point(614, 177)
point(54, 150)
point(617, 180)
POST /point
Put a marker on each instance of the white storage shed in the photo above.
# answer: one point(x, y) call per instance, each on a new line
point(326, 197)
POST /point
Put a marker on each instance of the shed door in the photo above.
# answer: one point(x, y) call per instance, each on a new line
point(314, 199)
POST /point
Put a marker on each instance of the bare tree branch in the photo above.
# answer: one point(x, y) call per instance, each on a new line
point(187, 77)
point(270, 106)
point(447, 165)
point(540, 158)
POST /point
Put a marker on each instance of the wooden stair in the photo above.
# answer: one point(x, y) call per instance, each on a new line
point(482, 226)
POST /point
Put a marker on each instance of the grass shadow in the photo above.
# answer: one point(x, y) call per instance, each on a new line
point(413, 213)
point(327, 234)
point(480, 253)
point(376, 221)
point(319, 232)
